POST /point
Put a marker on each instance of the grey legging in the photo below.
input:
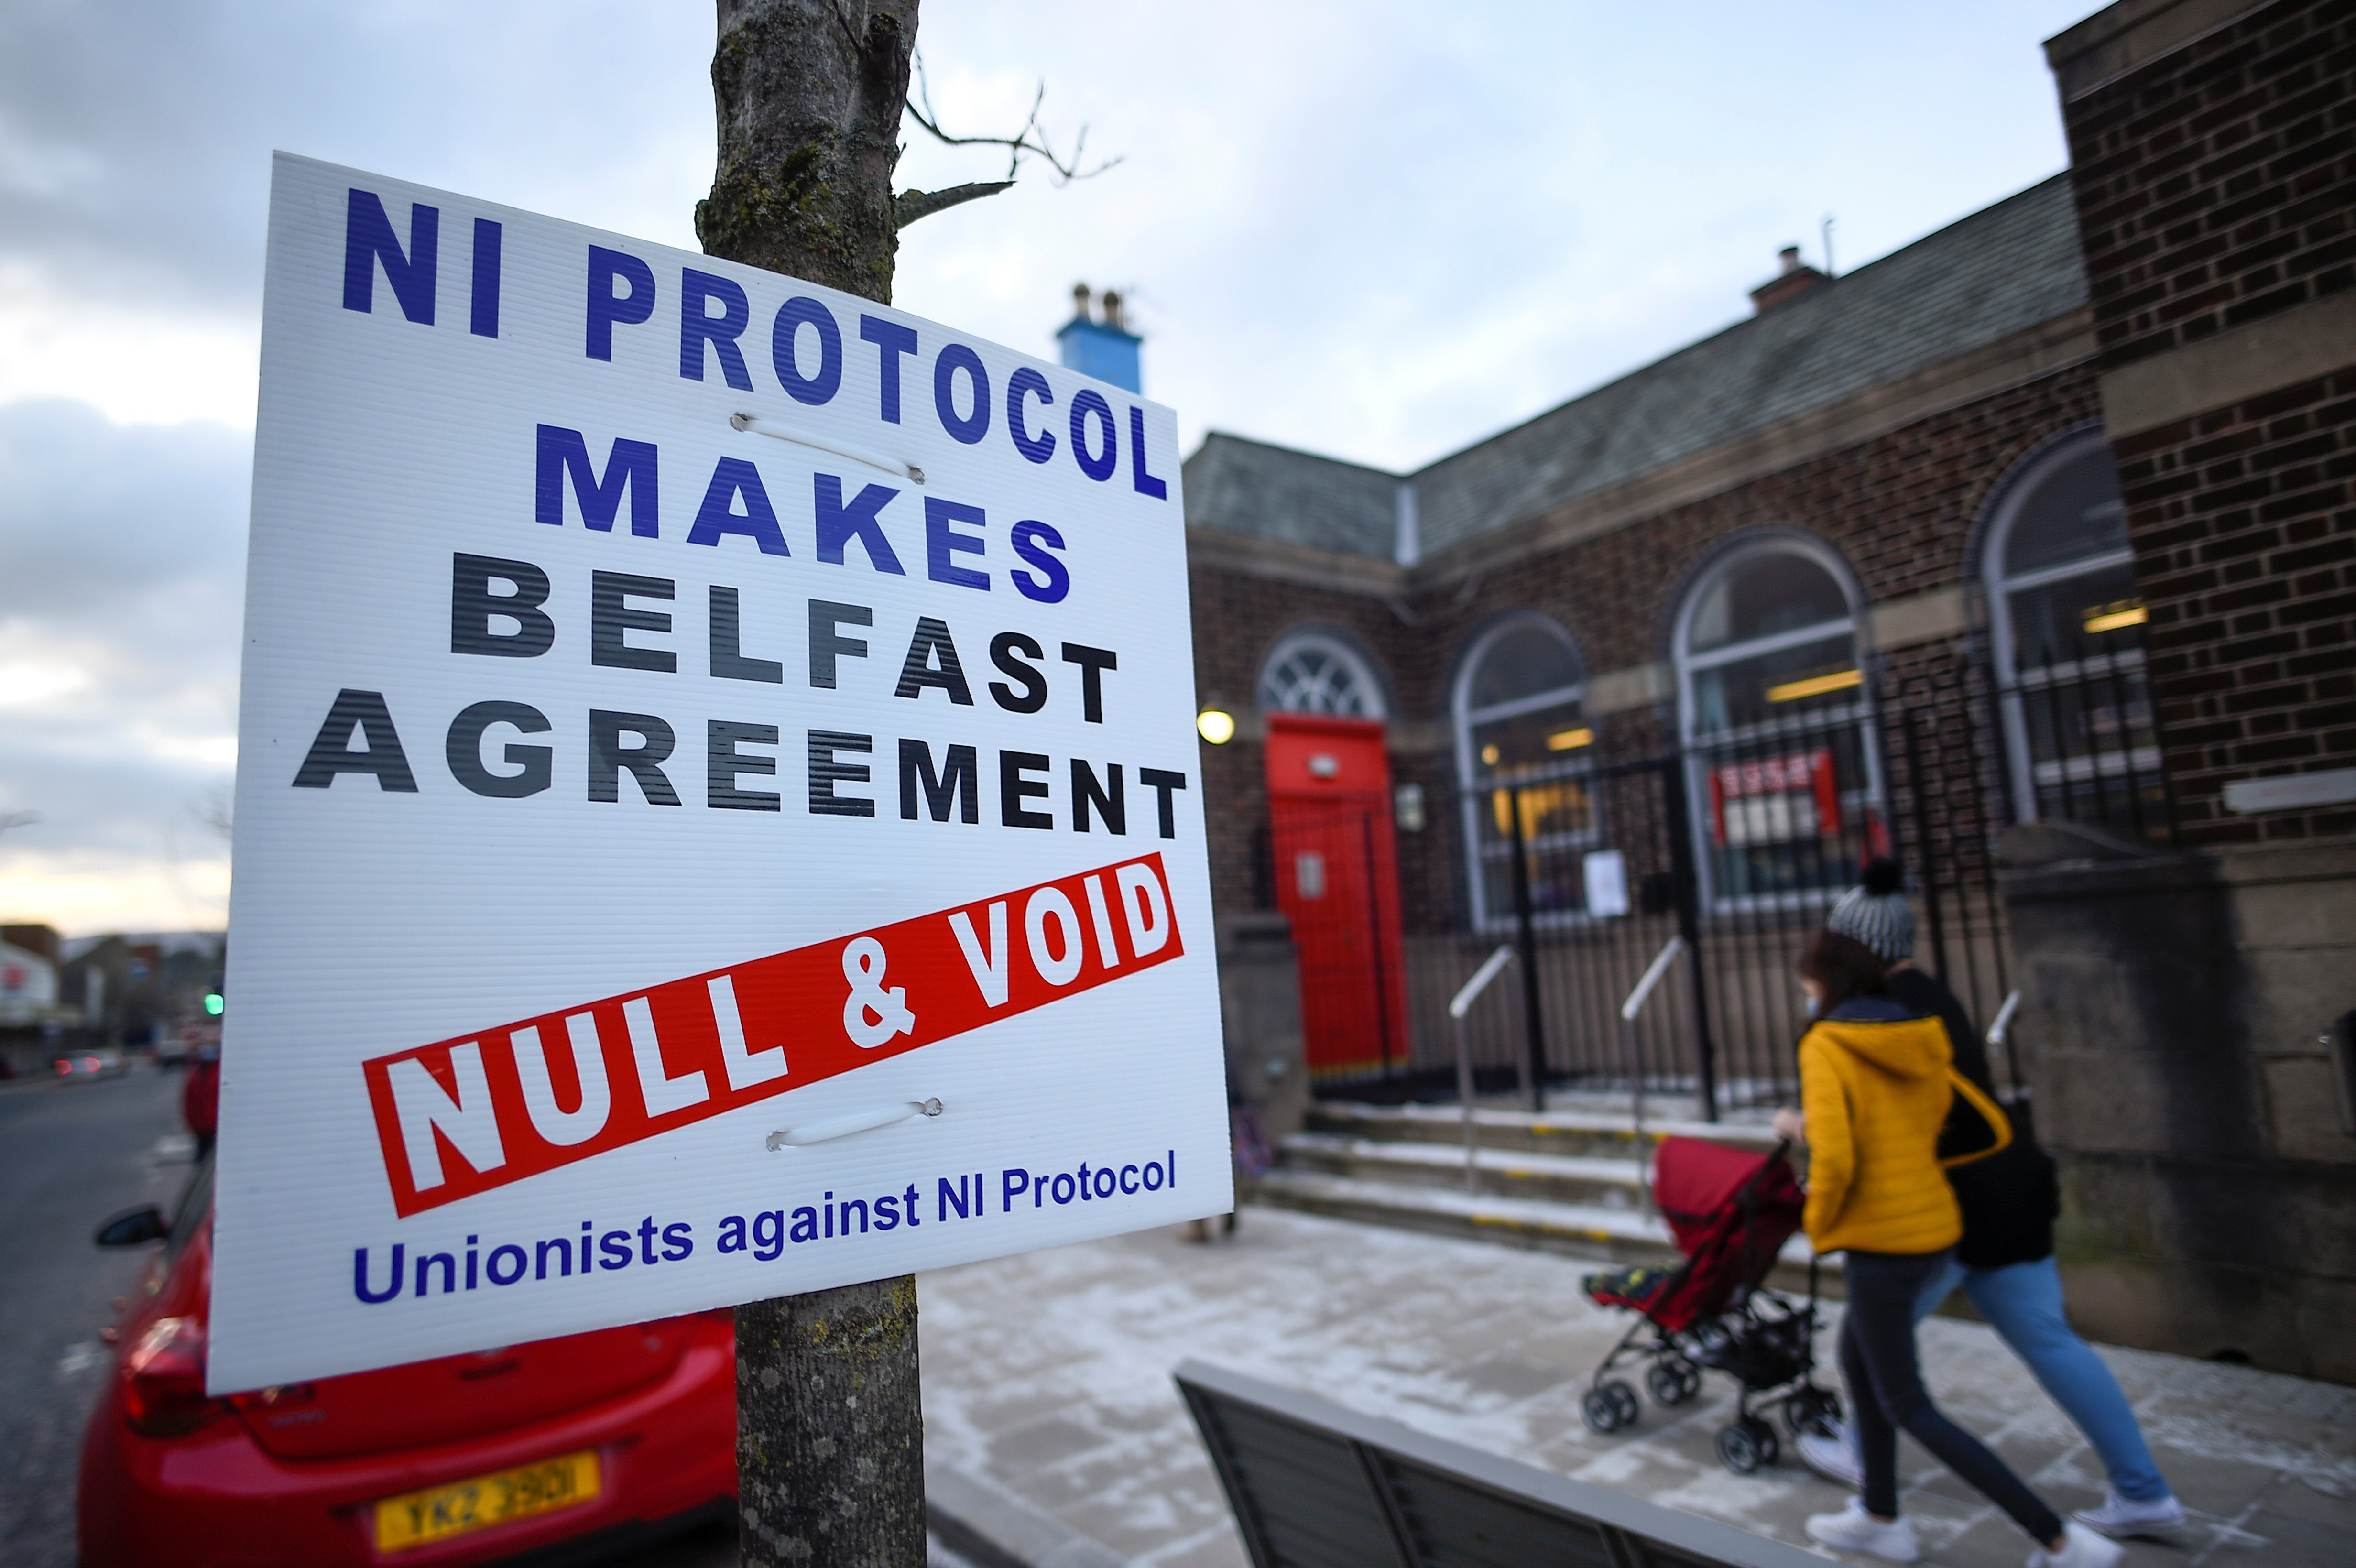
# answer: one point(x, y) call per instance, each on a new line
point(1877, 1356)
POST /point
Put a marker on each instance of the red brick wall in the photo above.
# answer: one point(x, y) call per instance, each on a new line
point(2244, 528)
point(2214, 190)
point(2212, 182)
point(1899, 509)
point(1237, 621)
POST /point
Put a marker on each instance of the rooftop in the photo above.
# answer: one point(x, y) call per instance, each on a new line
point(2000, 271)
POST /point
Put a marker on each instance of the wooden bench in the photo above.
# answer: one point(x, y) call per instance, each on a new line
point(1315, 1485)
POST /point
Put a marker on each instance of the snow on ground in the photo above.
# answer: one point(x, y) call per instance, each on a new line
point(1049, 1374)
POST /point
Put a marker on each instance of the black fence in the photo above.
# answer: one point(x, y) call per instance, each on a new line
point(2081, 744)
point(1736, 845)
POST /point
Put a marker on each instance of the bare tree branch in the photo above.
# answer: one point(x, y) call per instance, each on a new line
point(215, 809)
point(910, 205)
point(1033, 138)
point(850, 30)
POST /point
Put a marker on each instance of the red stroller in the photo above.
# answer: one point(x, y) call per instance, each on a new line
point(1730, 1212)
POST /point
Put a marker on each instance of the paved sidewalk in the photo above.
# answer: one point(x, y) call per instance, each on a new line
point(1049, 1375)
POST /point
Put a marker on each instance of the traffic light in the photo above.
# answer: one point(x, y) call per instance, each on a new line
point(213, 1004)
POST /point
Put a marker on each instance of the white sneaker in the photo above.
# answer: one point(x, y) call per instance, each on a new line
point(1833, 1458)
point(1854, 1529)
point(2120, 1518)
point(2081, 1548)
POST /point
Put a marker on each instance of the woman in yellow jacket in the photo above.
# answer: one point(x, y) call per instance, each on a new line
point(1875, 1088)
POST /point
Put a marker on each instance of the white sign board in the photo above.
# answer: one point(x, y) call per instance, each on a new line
point(717, 808)
point(1607, 882)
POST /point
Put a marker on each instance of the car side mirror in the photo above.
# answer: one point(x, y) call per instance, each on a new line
point(133, 1228)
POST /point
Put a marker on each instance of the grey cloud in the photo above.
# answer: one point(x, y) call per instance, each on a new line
point(135, 138)
point(122, 553)
point(94, 514)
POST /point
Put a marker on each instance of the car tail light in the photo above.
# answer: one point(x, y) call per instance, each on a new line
point(164, 1380)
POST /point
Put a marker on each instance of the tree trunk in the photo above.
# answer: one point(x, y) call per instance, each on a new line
point(830, 1429)
point(829, 1416)
point(808, 95)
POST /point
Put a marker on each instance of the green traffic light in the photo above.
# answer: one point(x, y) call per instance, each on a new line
point(213, 1004)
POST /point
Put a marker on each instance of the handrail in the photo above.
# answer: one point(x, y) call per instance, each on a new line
point(1998, 1034)
point(1644, 991)
point(2003, 1018)
point(1461, 1002)
point(1457, 1006)
point(1628, 1011)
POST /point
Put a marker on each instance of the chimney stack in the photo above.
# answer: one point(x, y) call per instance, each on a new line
point(1103, 346)
point(1795, 278)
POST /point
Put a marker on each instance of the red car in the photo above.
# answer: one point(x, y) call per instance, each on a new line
point(598, 1439)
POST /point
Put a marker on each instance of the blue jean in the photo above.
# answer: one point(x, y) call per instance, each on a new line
point(1886, 1393)
point(2023, 1302)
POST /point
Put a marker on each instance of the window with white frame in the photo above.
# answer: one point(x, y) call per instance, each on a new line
point(1523, 748)
point(1777, 725)
point(2067, 639)
point(1317, 672)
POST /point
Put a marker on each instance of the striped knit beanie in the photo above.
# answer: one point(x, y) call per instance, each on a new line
point(1877, 913)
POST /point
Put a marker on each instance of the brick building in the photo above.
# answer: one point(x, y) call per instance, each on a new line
point(2034, 534)
point(1832, 466)
point(2213, 152)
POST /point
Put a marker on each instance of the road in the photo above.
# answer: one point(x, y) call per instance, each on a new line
point(69, 1156)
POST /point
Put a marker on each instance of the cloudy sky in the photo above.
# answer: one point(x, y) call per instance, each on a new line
point(1372, 227)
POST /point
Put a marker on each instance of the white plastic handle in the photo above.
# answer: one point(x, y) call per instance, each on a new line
point(757, 425)
point(850, 1121)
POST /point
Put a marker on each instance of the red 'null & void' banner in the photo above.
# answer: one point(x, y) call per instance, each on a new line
point(466, 1114)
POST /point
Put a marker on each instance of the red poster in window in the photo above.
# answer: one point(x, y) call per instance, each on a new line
point(1774, 800)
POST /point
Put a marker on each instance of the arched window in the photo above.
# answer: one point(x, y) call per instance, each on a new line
point(1776, 722)
point(2067, 631)
point(1317, 672)
point(1522, 734)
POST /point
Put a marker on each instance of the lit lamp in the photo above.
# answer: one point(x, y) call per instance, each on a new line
point(2115, 617)
point(1216, 726)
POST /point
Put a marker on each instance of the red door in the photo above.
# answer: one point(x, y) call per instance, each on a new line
point(1337, 880)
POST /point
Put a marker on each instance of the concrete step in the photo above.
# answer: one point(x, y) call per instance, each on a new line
point(1565, 1181)
point(1605, 1233)
point(1571, 1132)
point(1580, 1180)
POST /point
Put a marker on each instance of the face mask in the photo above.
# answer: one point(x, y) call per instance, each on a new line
point(1811, 1005)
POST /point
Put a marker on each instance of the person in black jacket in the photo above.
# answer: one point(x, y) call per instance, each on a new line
point(2005, 1262)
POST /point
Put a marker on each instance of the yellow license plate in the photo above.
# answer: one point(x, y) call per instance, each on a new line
point(436, 1513)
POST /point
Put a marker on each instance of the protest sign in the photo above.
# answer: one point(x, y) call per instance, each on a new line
point(717, 811)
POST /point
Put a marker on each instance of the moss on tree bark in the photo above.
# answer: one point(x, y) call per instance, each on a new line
point(830, 1416)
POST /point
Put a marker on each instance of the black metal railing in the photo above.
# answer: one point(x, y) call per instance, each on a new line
point(1740, 842)
point(2081, 744)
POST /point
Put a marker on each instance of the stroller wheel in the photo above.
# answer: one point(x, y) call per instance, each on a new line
point(1812, 1412)
point(1673, 1380)
point(1608, 1407)
point(1746, 1445)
